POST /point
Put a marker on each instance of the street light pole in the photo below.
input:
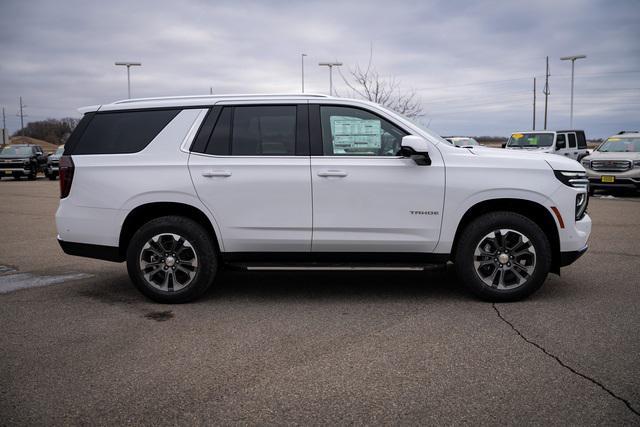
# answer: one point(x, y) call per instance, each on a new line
point(330, 65)
point(302, 55)
point(573, 62)
point(129, 65)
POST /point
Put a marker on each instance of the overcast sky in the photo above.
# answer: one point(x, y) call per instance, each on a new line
point(471, 62)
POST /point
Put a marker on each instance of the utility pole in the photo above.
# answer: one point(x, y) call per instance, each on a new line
point(302, 55)
point(210, 90)
point(330, 65)
point(4, 127)
point(534, 103)
point(546, 94)
point(21, 115)
point(129, 64)
point(573, 62)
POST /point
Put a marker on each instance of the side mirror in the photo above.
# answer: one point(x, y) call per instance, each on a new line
point(417, 148)
point(560, 145)
point(504, 145)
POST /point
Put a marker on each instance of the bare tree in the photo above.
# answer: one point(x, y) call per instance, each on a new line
point(370, 85)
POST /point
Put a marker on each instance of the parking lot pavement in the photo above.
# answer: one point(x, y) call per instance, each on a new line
point(316, 347)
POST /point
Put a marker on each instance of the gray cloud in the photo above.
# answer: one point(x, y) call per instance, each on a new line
point(472, 62)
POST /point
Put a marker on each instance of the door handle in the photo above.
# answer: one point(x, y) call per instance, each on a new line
point(211, 174)
point(332, 173)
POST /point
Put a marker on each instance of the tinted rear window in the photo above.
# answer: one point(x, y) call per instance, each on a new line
point(122, 132)
point(264, 131)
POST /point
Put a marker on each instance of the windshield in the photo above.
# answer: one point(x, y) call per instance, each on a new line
point(60, 150)
point(620, 145)
point(16, 151)
point(530, 140)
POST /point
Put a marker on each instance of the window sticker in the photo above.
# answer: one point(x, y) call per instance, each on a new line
point(517, 135)
point(533, 140)
point(353, 134)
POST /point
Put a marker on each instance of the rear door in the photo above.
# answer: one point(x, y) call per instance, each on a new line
point(367, 198)
point(572, 145)
point(250, 166)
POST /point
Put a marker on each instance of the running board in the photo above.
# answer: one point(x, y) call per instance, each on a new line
point(333, 261)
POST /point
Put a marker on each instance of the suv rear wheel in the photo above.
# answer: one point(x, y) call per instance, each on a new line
point(503, 256)
point(172, 259)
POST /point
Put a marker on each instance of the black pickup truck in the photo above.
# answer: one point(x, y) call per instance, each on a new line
point(22, 160)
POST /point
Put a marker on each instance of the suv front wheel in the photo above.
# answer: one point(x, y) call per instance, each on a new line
point(172, 259)
point(503, 256)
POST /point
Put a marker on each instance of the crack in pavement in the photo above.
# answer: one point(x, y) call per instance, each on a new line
point(564, 365)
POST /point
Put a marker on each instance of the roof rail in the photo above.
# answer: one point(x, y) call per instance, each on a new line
point(231, 95)
point(622, 132)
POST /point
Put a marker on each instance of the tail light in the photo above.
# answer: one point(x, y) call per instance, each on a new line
point(66, 175)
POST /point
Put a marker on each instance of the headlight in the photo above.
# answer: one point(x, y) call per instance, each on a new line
point(636, 163)
point(586, 163)
point(572, 179)
point(26, 162)
point(582, 200)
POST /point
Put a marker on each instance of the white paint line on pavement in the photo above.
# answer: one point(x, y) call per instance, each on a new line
point(14, 282)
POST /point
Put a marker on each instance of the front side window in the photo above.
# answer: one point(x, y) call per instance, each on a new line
point(348, 131)
point(572, 140)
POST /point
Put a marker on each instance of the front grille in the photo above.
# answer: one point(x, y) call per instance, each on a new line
point(611, 165)
point(12, 164)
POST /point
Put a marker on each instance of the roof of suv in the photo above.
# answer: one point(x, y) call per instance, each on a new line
point(196, 100)
point(549, 131)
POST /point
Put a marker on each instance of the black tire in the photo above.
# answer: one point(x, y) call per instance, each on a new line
point(17, 176)
point(592, 190)
point(53, 176)
point(202, 245)
point(476, 231)
point(33, 174)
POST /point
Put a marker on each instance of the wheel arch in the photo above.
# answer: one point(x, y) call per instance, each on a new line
point(530, 209)
point(148, 211)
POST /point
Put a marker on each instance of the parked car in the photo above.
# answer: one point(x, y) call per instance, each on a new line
point(568, 143)
point(22, 160)
point(178, 187)
point(615, 163)
point(53, 162)
point(462, 141)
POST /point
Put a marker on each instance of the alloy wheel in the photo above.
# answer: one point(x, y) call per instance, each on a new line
point(504, 259)
point(168, 262)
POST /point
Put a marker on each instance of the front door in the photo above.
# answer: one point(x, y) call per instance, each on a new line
point(561, 145)
point(252, 171)
point(367, 198)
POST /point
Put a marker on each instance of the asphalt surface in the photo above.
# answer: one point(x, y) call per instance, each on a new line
point(314, 347)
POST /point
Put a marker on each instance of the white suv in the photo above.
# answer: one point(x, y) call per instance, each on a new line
point(568, 143)
point(179, 187)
